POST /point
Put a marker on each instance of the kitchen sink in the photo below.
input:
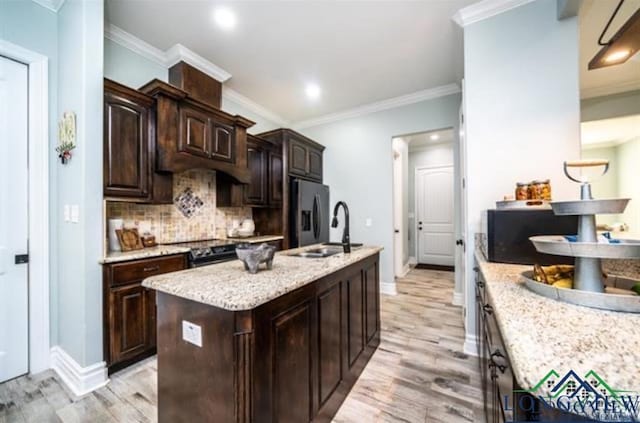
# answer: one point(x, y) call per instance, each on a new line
point(339, 244)
point(318, 252)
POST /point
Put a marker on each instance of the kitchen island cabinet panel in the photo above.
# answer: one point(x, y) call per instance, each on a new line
point(372, 298)
point(329, 341)
point(292, 365)
point(355, 288)
point(283, 361)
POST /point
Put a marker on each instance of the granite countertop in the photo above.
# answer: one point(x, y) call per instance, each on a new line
point(160, 250)
point(542, 334)
point(229, 286)
point(257, 239)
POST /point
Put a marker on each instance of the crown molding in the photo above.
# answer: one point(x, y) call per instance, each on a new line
point(484, 10)
point(379, 106)
point(609, 89)
point(135, 44)
point(236, 97)
point(53, 5)
point(179, 53)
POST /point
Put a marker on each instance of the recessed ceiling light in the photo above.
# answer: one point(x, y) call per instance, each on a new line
point(313, 91)
point(225, 18)
point(435, 137)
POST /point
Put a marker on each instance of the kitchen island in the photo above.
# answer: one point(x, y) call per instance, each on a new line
point(284, 345)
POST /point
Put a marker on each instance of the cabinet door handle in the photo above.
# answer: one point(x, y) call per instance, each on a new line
point(480, 284)
point(487, 309)
point(476, 269)
point(151, 269)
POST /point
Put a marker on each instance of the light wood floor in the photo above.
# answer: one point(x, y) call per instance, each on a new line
point(418, 374)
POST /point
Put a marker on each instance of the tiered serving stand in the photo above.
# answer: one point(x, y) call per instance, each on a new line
point(590, 286)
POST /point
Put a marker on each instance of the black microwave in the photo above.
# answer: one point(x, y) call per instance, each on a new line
point(508, 231)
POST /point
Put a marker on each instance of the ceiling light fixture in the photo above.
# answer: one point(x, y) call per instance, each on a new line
point(313, 91)
point(225, 18)
point(624, 43)
point(435, 137)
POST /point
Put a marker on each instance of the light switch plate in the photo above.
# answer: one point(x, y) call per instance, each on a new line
point(368, 222)
point(192, 333)
point(67, 213)
point(3, 259)
point(75, 213)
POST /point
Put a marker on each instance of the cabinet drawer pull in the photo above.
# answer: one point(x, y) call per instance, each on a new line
point(151, 269)
point(487, 309)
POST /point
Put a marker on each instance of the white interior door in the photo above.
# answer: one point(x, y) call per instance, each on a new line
point(14, 288)
point(434, 199)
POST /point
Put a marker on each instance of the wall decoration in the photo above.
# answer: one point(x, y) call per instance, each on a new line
point(66, 136)
point(188, 203)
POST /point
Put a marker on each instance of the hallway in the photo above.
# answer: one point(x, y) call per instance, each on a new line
point(418, 374)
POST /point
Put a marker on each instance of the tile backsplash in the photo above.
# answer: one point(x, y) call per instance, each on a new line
point(193, 216)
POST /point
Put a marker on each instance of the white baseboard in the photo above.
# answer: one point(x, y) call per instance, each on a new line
point(458, 299)
point(405, 269)
point(388, 288)
point(470, 345)
point(80, 380)
point(413, 261)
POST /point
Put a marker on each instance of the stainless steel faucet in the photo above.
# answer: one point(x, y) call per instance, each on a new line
point(346, 240)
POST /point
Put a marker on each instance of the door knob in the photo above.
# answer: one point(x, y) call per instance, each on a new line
point(459, 242)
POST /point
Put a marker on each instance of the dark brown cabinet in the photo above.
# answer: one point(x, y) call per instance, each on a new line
point(292, 359)
point(195, 136)
point(264, 161)
point(130, 309)
point(127, 137)
point(305, 158)
point(201, 136)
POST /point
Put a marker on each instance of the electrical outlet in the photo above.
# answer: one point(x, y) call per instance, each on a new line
point(67, 213)
point(75, 213)
point(192, 333)
point(368, 222)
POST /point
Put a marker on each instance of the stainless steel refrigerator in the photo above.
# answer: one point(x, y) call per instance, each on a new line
point(309, 218)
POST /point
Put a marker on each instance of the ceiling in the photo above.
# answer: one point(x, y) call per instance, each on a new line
point(427, 139)
point(594, 15)
point(357, 52)
point(610, 132)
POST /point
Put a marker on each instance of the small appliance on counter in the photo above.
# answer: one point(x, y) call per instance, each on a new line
point(508, 232)
point(310, 216)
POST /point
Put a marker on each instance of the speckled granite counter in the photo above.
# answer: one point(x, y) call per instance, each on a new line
point(160, 250)
point(230, 287)
point(257, 239)
point(542, 334)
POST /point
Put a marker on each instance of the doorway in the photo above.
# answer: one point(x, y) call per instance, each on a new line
point(14, 223)
point(424, 198)
point(435, 216)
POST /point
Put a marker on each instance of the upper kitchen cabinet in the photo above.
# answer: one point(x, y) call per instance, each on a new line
point(192, 134)
point(127, 134)
point(129, 147)
point(264, 160)
point(304, 156)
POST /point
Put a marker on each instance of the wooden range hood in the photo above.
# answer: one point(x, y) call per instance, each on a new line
point(191, 130)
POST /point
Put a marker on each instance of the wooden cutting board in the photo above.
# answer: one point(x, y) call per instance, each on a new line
point(129, 239)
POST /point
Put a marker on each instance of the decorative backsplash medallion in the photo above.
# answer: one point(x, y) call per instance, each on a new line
point(188, 203)
point(170, 224)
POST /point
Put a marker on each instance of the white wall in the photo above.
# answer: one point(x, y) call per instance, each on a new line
point(358, 165)
point(522, 111)
point(133, 70)
point(610, 106)
point(79, 247)
point(628, 158)
point(432, 156)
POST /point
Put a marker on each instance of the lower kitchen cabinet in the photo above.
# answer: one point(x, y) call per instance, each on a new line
point(130, 308)
point(497, 379)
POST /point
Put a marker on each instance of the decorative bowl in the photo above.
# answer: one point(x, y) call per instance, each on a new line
point(252, 256)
